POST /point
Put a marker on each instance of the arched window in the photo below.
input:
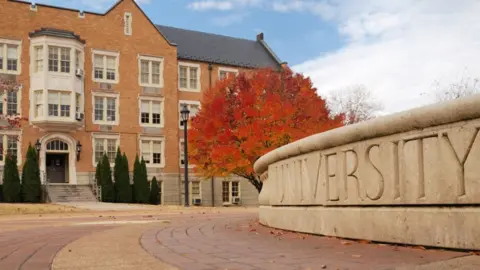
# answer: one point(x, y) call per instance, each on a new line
point(57, 146)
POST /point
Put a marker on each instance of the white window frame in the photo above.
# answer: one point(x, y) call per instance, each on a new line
point(58, 117)
point(105, 146)
point(117, 66)
point(162, 111)
point(128, 25)
point(225, 69)
point(150, 59)
point(188, 102)
point(188, 66)
point(3, 51)
point(4, 137)
point(230, 185)
point(190, 189)
point(5, 103)
point(180, 150)
point(117, 108)
point(151, 139)
point(59, 59)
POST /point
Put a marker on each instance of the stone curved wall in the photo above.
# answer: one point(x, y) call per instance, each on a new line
point(412, 178)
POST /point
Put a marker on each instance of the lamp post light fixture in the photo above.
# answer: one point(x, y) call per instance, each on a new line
point(38, 147)
point(185, 115)
point(79, 149)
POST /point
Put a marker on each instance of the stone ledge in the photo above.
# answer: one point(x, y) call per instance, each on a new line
point(416, 119)
point(449, 227)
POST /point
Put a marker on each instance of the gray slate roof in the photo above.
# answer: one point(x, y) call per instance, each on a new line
point(55, 33)
point(205, 47)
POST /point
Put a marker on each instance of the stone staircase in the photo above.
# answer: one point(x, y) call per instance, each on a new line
point(70, 193)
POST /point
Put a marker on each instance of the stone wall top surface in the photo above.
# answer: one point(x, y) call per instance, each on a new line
point(415, 119)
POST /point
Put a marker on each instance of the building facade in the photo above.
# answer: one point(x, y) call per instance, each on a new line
point(112, 80)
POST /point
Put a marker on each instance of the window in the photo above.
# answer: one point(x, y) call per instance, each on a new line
point(38, 95)
point(151, 71)
point(195, 189)
point(182, 155)
point(151, 112)
point(193, 107)
point(151, 150)
point(57, 146)
point(58, 59)
point(105, 145)
point(38, 58)
point(127, 21)
point(189, 76)
point(230, 190)
point(77, 59)
point(9, 145)
point(9, 104)
point(105, 67)
point(12, 103)
point(10, 56)
point(105, 109)
point(58, 104)
point(78, 99)
point(226, 73)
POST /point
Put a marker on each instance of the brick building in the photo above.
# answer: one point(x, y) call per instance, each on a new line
point(114, 79)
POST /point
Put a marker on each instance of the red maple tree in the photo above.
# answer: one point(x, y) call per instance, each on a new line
point(244, 117)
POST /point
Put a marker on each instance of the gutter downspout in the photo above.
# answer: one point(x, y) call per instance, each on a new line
point(210, 68)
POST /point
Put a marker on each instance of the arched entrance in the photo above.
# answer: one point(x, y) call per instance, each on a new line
point(57, 159)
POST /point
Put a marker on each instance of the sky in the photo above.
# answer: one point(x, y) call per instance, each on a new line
point(401, 50)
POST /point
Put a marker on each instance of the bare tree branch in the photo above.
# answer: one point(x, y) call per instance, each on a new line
point(357, 103)
point(467, 86)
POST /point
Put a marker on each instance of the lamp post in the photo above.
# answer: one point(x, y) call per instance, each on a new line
point(185, 115)
point(38, 147)
point(79, 149)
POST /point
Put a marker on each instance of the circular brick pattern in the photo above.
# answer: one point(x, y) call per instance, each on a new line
point(239, 242)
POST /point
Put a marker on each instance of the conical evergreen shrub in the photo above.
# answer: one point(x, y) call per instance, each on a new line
point(123, 192)
point(11, 180)
point(108, 194)
point(140, 182)
point(126, 180)
point(154, 192)
point(31, 184)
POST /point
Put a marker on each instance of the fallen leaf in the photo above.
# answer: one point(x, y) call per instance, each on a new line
point(324, 266)
point(345, 243)
point(356, 256)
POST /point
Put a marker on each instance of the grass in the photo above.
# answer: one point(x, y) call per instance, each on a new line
point(23, 209)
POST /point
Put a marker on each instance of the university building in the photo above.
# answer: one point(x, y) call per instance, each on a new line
point(93, 82)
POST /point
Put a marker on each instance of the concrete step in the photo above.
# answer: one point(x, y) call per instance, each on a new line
point(71, 193)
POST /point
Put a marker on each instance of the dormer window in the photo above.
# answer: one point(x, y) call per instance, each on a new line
point(128, 23)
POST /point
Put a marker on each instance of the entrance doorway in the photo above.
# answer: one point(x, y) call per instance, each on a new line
point(57, 168)
point(57, 162)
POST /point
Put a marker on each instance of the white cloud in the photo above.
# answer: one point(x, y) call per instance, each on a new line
point(229, 19)
point(223, 5)
point(209, 5)
point(398, 48)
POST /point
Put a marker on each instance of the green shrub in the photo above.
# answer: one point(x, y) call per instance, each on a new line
point(123, 192)
point(108, 194)
point(140, 182)
point(31, 184)
point(11, 180)
point(1, 193)
point(154, 192)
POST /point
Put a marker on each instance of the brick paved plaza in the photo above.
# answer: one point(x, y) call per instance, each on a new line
point(193, 239)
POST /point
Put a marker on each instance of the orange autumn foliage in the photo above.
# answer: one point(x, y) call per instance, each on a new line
point(244, 117)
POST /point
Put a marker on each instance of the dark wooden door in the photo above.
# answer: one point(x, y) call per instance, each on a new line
point(56, 168)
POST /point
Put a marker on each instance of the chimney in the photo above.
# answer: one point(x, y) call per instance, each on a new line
point(260, 37)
